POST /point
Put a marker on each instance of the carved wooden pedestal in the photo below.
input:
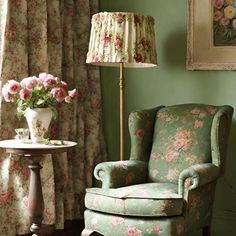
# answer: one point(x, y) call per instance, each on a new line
point(36, 203)
point(35, 152)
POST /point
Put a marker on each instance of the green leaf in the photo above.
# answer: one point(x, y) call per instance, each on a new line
point(40, 102)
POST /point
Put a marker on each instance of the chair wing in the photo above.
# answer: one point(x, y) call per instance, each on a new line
point(186, 135)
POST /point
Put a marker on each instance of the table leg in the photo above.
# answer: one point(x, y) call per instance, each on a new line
point(36, 203)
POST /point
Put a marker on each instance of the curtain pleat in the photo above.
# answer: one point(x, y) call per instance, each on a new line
point(51, 36)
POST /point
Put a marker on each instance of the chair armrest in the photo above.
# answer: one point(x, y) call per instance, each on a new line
point(121, 173)
point(198, 175)
point(220, 130)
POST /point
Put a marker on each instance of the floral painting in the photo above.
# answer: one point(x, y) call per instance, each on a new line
point(211, 37)
point(224, 22)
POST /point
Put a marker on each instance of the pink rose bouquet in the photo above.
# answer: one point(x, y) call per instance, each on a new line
point(37, 92)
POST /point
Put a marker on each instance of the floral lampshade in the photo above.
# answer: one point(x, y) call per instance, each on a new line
point(122, 37)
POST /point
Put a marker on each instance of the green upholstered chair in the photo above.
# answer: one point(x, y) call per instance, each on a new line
point(167, 186)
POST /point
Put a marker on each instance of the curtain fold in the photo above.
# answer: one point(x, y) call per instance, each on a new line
point(51, 36)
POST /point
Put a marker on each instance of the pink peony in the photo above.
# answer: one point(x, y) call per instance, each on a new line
point(29, 82)
point(7, 96)
point(218, 3)
point(59, 94)
point(73, 93)
point(68, 99)
point(64, 85)
point(43, 76)
point(49, 82)
point(39, 82)
point(13, 87)
point(25, 94)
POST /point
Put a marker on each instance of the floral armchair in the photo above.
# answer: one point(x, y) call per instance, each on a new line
point(167, 186)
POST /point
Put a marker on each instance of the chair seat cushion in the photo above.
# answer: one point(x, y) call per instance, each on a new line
point(150, 199)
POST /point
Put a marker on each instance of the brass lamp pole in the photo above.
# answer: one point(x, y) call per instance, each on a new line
point(122, 102)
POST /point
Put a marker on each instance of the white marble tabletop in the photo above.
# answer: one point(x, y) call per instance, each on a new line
point(17, 144)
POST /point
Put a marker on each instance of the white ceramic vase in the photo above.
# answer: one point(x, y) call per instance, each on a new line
point(38, 120)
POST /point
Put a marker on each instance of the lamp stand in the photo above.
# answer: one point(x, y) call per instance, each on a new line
point(122, 103)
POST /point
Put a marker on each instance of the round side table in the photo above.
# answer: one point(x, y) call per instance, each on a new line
point(34, 152)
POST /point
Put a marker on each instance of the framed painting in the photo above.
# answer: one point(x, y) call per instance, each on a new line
point(211, 40)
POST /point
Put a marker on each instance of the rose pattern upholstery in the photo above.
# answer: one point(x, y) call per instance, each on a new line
point(180, 136)
point(154, 199)
point(179, 153)
point(127, 169)
point(118, 225)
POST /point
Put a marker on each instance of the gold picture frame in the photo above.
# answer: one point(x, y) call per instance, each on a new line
point(202, 54)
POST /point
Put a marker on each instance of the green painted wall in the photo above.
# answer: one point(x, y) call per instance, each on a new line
point(170, 83)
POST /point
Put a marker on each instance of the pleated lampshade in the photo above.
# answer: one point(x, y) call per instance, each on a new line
point(122, 37)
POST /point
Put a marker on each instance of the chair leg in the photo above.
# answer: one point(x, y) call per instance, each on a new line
point(206, 231)
point(87, 232)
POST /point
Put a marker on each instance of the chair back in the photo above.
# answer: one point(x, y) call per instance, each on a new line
point(181, 138)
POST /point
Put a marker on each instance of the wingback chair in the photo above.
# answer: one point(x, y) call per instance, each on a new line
point(167, 186)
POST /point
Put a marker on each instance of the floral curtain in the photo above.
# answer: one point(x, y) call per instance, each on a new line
point(50, 36)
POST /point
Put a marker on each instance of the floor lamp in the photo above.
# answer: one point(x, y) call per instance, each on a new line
point(122, 39)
